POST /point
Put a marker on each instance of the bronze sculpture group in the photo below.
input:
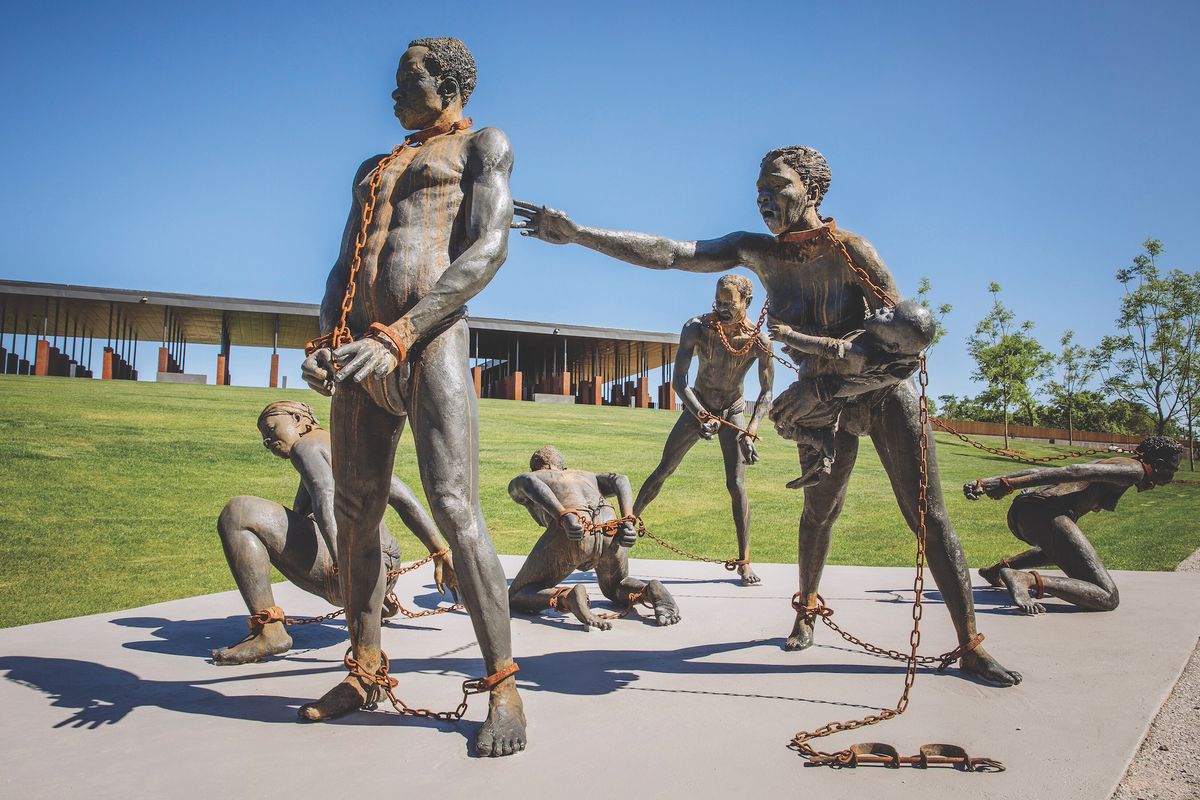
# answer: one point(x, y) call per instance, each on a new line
point(427, 231)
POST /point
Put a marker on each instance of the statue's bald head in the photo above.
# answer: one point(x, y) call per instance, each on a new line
point(546, 457)
point(448, 57)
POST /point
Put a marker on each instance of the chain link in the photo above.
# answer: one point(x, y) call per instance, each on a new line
point(340, 335)
point(1016, 455)
point(802, 741)
point(730, 563)
point(275, 613)
point(381, 682)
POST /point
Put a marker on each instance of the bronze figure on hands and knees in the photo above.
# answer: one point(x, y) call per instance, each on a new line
point(1045, 516)
point(714, 406)
point(583, 532)
point(805, 267)
point(427, 231)
point(300, 541)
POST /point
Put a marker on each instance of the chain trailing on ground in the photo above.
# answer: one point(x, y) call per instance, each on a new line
point(1015, 455)
point(380, 682)
point(874, 752)
point(730, 563)
point(275, 613)
point(340, 335)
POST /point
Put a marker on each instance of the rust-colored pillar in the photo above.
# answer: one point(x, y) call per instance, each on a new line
point(106, 368)
point(164, 362)
point(220, 369)
point(477, 379)
point(41, 361)
point(666, 397)
point(562, 383)
point(517, 387)
point(643, 393)
point(597, 390)
point(274, 370)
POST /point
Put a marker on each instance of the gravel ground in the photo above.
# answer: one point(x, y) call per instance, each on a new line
point(1167, 765)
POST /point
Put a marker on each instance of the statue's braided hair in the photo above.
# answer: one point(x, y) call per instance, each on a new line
point(1160, 451)
point(289, 407)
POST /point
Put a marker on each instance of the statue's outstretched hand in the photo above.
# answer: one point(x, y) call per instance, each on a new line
point(779, 331)
point(365, 357)
point(992, 487)
point(444, 576)
point(572, 527)
point(317, 371)
point(547, 224)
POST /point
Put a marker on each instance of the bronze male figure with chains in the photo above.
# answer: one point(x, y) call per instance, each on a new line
point(583, 532)
point(819, 282)
point(427, 231)
point(725, 346)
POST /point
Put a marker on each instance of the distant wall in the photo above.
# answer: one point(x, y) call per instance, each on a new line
point(1059, 435)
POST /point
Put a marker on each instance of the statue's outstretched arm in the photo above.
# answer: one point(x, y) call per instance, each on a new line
point(1125, 472)
point(642, 249)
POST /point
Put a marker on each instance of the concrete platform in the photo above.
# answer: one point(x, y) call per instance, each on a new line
point(125, 704)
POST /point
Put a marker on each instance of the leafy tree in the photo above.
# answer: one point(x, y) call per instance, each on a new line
point(1007, 359)
point(1075, 370)
point(1152, 359)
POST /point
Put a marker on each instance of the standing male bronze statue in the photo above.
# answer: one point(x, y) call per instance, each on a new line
point(715, 404)
point(427, 231)
point(1045, 515)
point(582, 532)
point(810, 288)
point(300, 541)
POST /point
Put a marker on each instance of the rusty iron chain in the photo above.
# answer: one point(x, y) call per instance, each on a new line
point(340, 335)
point(275, 613)
point(380, 682)
point(1016, 455)
point(730, 563)
point(802, 741)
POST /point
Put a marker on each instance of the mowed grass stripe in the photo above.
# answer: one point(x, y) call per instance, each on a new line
point(111, 492)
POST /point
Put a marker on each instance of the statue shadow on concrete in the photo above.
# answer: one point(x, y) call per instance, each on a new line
point(987, 599)
point(100, 695)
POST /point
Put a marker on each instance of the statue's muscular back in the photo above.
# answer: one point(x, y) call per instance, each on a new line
point(419, 225)
point(574, 489)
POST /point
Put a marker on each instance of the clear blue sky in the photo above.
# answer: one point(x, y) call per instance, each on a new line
point(209, 147)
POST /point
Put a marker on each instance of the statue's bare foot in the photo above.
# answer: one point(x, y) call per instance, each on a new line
point(271, 640)
point(666, 610)
point(578, 604)
point(347, 696)
point(503, 732)
point(992, 575)
point(390, 608)
point(802, 635)
point(1018, 584)
point(980, 664)
point(749, 578)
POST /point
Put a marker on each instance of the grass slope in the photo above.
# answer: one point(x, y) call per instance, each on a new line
point(112, 490)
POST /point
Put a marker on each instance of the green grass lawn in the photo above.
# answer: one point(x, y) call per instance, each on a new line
point(111, 492)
